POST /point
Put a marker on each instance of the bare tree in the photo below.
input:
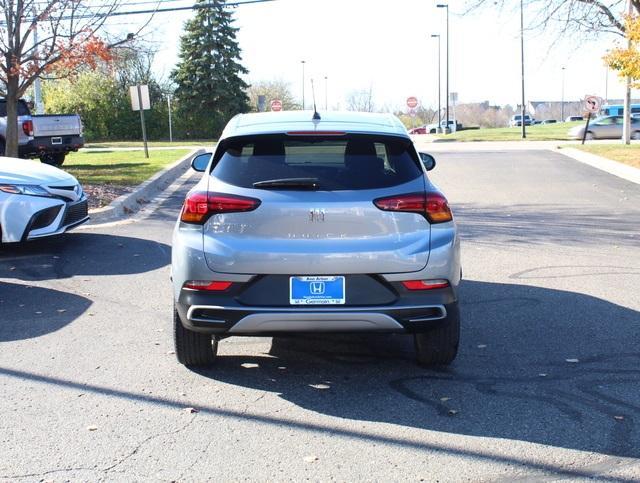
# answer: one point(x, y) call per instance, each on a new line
point(361, 100)
point(586, 16)
point(66, 38)
point(274, 89)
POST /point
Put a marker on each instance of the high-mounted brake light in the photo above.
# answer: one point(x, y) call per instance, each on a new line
point(425, 284)
point(207, 285)
point(316, 133)
point(199, 206)
point(433, 206)
point(27, 127)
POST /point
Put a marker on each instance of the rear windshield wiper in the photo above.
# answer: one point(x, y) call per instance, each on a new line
point(289, 183)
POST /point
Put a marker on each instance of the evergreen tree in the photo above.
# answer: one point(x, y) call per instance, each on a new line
point(209, 90)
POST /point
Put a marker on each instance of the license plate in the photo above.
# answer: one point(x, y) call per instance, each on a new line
point(318, 290)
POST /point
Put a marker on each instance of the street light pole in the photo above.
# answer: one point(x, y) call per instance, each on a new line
point(446, 129)
point(562, 105)
point(326, 93)
point(523, 107)
point(439, 90)
point(303, 62)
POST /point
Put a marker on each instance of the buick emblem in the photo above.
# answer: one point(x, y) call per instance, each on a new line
point(316, 215)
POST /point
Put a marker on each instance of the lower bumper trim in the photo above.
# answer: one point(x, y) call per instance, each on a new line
point(315, 322)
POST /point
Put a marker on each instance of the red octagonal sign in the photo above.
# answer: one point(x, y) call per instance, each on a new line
point(412, 102)
point(276, 105)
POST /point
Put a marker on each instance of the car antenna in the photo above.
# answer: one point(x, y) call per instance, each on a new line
point(316, 116)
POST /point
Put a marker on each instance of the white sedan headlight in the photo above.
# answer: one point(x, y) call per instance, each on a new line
point(24, 189)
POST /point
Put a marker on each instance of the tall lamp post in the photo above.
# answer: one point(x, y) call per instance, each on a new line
point(433, 36)
point(446, 129)
point(326, 93)
point(303, 62)
point(562, 105)
point(523, 107)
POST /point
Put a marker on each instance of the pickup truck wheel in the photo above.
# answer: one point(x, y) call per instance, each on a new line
point(54, 159)
point(193, 348)
point(439, 347)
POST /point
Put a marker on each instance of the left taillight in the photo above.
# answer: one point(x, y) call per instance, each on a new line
point(433, 206)
point(199, 206)
point(27, 127)
point(207, 285)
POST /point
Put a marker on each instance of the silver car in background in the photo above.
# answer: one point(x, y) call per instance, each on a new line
point(605, 127)
point(306, 225)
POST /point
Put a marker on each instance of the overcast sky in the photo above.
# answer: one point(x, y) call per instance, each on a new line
point(386, 45)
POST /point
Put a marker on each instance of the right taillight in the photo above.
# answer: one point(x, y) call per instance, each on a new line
point(27, 127)
point(199, 206)
point(433, 206)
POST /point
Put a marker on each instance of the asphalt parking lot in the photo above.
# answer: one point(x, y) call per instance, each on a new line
point(546, 385)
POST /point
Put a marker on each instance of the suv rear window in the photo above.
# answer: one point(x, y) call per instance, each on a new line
point(349, 162)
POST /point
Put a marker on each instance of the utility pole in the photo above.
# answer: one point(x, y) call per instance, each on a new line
point(523, 109)
point(626, 114)
point(37, 88)
point(170, 123)
point(303, 62)
point(446, 122)
point(439, 128)
point(562, 106)
point(326, 93)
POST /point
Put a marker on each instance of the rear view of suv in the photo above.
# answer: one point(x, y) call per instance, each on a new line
point(304, 225)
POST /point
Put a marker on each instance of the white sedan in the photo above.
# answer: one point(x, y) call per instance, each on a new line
point(38, 200)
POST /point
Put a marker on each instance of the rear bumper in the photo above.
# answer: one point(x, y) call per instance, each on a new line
point(222, 314)
point(51, 144)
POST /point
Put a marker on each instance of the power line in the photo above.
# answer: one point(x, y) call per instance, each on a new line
point(198, 6)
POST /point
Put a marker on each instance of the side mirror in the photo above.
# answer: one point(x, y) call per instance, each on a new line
point(428, 161)
point(201, 161)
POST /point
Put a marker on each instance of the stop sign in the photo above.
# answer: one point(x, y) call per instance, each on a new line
point(412, 102)
point(276, 105)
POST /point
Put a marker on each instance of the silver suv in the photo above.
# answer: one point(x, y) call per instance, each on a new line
point(306, 225)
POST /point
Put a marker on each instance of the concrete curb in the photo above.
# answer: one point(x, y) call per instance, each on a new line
point(131, 202)
point(612, 167)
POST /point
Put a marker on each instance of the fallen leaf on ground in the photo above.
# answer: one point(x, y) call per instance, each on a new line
point(619, 418)
point(92, 428)
point(542, 374)
point(444, 399)
point(190, 410)
point(572, 361)
point(249, 365)
point(310, 459)
point(320, 386)
point(61, 311)
point(452, 412)
point(482, 346)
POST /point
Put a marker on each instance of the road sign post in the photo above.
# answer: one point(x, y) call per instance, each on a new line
point(140, 102)
point(592, 105)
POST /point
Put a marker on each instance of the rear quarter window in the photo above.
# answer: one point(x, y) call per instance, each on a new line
point(350, 162)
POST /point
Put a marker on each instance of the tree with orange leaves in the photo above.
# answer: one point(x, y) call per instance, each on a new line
point(67, 39)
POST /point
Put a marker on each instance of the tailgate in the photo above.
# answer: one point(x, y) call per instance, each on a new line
point(57, 125)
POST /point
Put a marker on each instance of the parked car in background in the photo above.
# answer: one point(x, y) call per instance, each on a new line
point(516, 120)
point(47, 137)
point(418, 130)
point(549, 121)
point(37, 200)
point(301, 225)
point(605, 127)
point(574, 118)
point(453, 126)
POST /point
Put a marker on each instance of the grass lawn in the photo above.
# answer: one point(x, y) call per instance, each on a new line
point(618, 152)
point(539, 132)
point(152, 144)
point(121, 168)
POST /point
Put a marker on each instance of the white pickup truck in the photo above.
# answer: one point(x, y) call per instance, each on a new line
point(48, 137)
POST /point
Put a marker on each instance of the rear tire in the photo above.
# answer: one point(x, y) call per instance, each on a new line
point(589, 136)
point(439, 347)
point(193, 348)
point(53, 159)
point(2, 147)
point(636, 135)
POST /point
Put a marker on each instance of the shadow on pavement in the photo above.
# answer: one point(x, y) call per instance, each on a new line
point(538, 365)
point(29, 312)
point(78, 253)
point(546, 224)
